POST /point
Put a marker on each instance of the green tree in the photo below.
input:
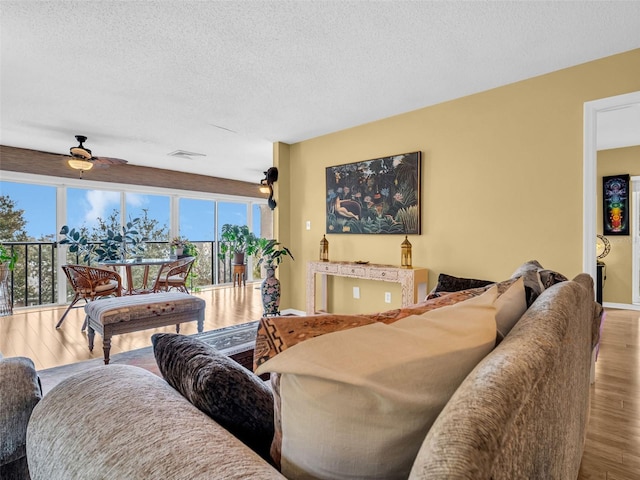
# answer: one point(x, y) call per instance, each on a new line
point(12, 221)
point(35, 263)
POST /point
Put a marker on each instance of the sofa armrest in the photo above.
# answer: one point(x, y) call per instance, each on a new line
point(19, 393)
point(119, 421)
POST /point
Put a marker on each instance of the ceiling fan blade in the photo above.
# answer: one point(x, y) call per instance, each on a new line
point(108, 161)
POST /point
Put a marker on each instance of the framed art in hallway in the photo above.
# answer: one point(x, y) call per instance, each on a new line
point(375, 196)
point(615, 207)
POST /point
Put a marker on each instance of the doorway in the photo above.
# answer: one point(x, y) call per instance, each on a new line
point(592, 111)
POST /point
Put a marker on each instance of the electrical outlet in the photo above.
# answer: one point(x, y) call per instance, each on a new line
point(387, 297)
point(308, 224)
point(356, 292)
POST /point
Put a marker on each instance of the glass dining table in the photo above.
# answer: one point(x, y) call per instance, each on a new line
point(145, 263)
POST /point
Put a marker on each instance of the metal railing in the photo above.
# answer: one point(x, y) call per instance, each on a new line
point(34, 279)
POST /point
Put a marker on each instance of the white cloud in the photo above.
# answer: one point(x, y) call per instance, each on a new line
point(136, 200)
point(101, 204)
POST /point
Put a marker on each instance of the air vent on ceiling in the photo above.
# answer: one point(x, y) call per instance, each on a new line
point(185, 154)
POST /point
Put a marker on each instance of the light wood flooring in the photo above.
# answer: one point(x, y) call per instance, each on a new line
point(32, 333)
point(612, 450)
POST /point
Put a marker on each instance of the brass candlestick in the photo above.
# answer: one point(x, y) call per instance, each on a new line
point(324, 249)
point(405, 254)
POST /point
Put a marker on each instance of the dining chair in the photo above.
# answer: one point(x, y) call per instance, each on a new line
point(89, 283)
point(174, 275)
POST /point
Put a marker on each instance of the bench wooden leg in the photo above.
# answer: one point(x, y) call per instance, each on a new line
point(106, 347)
point(178, 328)
point(91, 333)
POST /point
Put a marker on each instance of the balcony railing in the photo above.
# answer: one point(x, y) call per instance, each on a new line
point(34, 280)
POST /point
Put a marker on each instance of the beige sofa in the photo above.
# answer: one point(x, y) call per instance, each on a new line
point(520, 414)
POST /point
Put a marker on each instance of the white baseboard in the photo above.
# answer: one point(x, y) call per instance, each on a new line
point(293, 311)
point(621, 306)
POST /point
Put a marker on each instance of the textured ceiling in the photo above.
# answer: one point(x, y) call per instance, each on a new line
point(225, 79)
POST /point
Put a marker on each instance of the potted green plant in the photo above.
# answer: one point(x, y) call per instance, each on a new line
point(115, 246)
point(78, 243)
point(182, 247)
point(8, 261)
point(237, 240)
point(271, 254)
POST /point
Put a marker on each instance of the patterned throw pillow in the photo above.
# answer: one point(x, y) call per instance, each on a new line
point(449, 283)
point(537, 279)
point(223, 389)
point(550, 278)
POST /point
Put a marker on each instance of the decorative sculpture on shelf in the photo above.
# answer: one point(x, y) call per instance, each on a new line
point(324, 249)
point(405, 254)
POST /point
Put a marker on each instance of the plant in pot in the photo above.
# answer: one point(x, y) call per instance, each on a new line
point(115, 246)
point(238, 241)
point(271, 254)
point(78, 243)
point(178, 245)
point(8, 261)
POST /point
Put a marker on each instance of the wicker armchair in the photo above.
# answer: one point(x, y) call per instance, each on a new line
point(174, 275)
point(89, 283)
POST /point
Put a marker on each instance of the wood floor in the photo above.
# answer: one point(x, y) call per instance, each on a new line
point(612, 450)
point(32, 333)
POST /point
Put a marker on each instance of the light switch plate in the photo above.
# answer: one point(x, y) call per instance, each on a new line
point(308, 224)
point(387, 297)
point(356, 292)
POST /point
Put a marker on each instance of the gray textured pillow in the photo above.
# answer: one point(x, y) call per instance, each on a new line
point(223, 389)
point(532, 283)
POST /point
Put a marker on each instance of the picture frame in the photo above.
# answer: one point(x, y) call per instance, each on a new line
point(615, 206)
point(377, 196)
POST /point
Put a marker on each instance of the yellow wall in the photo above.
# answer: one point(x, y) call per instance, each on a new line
point(501, 180)
point(617, 287)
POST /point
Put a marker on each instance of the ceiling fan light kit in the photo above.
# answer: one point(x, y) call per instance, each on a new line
point(82, 159)
point(80, 164)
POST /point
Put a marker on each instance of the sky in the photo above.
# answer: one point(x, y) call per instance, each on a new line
point(85, 206)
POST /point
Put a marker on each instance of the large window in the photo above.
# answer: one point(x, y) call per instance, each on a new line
point(154, 212)
point(197, 219)
point(28, 212)
point(233, 213)
point(27, 227)
point(88, 209)
point(33, 199)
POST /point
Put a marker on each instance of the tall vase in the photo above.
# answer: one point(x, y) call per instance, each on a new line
point(271, 292)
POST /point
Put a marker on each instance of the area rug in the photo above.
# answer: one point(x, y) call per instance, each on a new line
point(225, 339)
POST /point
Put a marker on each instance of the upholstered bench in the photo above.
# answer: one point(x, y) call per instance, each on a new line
point(113, 316)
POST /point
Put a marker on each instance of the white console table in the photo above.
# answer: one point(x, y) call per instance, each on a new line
point(412, 280)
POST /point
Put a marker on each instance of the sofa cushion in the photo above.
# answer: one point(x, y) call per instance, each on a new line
point(532, 283)
point(357, 403)
point(20, 391)
point(276, 334)
point(536, 279)
point(223, 389)
point(449, 283)
point(549, 278)
point(510, 306)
